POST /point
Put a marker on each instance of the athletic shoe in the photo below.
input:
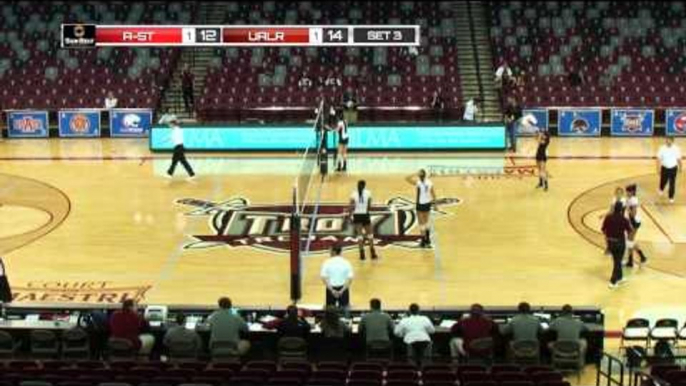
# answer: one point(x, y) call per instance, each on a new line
point(612, 286)
point(622, 282)
point(168, 176)
point(671, 200)
point(660, 193)
point(191, 179)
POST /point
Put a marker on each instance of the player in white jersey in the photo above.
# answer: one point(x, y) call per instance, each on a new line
point(632, 205)
point(343, 139)
point(360, 206)
point(426, 197)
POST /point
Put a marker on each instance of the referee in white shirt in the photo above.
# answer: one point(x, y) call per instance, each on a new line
point(179, 151)
point(337, 275)
point(668, 163)
point(416, 332)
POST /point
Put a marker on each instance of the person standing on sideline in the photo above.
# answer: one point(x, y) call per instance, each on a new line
point(632, 205)
point(543, 139)
point(337, 275)
point(360, 206)
point(616, 228)
point(110, 101)
point(187, 80)
point(668, 163)
point(511, 116)
point(471, 108)
point(5, 289)
point(426, 197)
point(416, 330)
point(179, 150)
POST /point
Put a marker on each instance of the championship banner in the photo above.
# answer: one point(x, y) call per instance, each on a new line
point(541, 116)
point(579, 122)
point(130, 122)
point(675, 122)
point(79, 123)
point(27, 124)
point(632, 122)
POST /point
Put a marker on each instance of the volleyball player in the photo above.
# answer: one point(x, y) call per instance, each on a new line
point(343, 139)
point(632, 204)
point(360, 206)
point(426, 197)
point(543, 139)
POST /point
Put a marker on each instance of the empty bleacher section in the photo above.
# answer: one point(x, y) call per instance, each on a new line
point(625, 53)
point(36, 73)
point(245, 82)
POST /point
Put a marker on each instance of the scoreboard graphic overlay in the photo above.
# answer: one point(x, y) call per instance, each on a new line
point(90, 35)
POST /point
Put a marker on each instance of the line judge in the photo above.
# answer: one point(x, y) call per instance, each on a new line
point(668, 163)
point(179, 150)
point(337, 275)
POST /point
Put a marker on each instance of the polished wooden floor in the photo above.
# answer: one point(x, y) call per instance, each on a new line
point(96, 221)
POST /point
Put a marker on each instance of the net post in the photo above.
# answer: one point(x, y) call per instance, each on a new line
point(295, 279)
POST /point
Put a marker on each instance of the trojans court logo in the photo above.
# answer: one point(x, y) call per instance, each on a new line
point(236, 223)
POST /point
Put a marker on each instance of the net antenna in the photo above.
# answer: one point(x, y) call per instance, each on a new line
point(301, 191)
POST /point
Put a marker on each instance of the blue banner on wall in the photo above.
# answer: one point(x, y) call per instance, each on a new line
point(579, 122)
point(632, 122)
point(415, 137)
point(675, 122)
point(130, 122)
point(27, 124)
point(541, 116)
point(79, 123)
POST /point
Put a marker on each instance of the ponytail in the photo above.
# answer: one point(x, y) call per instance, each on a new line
point(360, 188)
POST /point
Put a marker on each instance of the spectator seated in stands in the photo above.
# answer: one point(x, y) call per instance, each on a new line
point(475, 327)
point(128, 325)
point(376, 325)
point(332, 81)
point(181, 341)
point(293, 326)
point(226, 328)
point(570, 329)
point(438, 105)
point(523, 327)
point(305, 81)
point(416, 330)
point(502, 74)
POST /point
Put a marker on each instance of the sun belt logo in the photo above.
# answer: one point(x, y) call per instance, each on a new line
point(237, 223)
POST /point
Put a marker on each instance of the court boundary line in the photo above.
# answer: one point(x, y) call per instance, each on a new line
point(143, 159)
point(57, 225)
point(657, 224)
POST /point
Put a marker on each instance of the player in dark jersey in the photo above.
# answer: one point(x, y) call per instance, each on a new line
point(543, 139)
